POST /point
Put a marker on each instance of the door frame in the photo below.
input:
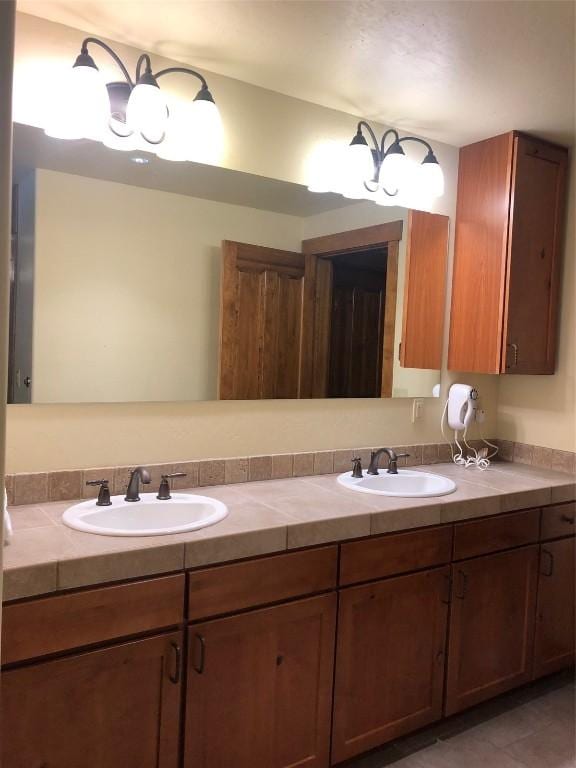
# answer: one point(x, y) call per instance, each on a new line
point(319, 251)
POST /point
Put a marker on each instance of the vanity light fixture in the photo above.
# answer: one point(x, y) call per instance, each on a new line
point(382, 172)
point(134, 114)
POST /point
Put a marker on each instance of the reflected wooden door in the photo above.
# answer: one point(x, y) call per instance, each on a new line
point(265, 323)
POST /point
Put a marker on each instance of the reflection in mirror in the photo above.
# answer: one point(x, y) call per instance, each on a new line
point(153, 281)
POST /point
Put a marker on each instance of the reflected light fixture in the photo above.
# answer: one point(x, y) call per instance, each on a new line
point(382, 172)
point(134, 114)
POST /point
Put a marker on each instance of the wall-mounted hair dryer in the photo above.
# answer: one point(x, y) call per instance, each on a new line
point(460, 411)
point(461, 406)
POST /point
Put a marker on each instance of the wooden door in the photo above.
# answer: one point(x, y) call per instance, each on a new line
point(266, 317)
point(389, 660)
point(491, 626)
point(424, 290)
point(534, 252)
point(113, 708)
point(260, 688)
point(554, 640)
point(357, 326)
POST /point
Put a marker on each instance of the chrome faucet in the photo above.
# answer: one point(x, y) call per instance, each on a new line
point(392, 460)
point(133, 490)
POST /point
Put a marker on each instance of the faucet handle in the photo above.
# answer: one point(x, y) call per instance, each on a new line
point(164, 490)
point(103, 493)
point(357, 467)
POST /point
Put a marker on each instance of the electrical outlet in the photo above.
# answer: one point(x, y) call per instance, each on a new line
point(417, 408)
point(480, 415)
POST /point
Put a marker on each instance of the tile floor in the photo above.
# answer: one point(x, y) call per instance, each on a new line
point(532, 727)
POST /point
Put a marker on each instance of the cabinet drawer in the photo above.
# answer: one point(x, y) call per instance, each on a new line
point(228, 588)
point(397, 553)
point(480, 537)
point(62, 622)
point(558, 520)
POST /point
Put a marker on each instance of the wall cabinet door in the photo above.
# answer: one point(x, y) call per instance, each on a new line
point(389, 660)
point(113, 708)
point(554, 640)
point(508, 246)
point(491, 626)
point(260, 688)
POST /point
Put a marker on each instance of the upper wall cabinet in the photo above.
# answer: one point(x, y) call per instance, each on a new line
point(509, 226)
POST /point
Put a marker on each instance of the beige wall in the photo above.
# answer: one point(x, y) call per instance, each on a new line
point(541, 409)
point(258, 123)
point(147, 265)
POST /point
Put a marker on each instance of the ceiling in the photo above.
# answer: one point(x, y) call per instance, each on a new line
point(455, 71)
point(33, 149)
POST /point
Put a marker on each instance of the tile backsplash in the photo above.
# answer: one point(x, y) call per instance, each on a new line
point(66, 485)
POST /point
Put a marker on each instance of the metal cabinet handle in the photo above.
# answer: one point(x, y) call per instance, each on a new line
point(174, 676)
point(461, 593)
point(550, 570)
point(567, 519)
point(199, 668)
point(515, 355)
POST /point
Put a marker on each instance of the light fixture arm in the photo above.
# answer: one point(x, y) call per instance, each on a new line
point(110, 52)
point(183, 70)
point(144, 58)
point(419, 141)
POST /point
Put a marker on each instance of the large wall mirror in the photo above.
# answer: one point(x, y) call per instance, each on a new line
point(137, 279)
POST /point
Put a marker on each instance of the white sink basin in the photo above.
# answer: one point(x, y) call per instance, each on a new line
point(407, 483)
point(147, 517)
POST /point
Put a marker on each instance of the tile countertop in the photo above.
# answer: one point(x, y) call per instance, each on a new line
point(265, 517)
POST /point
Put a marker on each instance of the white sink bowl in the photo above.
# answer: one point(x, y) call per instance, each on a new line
point(147, 517)
point(406, 483)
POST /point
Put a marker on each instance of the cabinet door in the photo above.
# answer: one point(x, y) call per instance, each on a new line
point(389, 660)
point(424, 290)
point(491, 626)
point(113, 708)
point(260, 688)
point(554, 641)
point(534, 252)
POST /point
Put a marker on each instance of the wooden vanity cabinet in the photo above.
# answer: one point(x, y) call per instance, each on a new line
point(389, 660)
point(555, 636)
point(113, 708)
point(507, 254)
point(260, 687)
point(491, 626)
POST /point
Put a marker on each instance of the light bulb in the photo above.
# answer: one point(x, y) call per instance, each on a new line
point(431, 178)
point(146, 112)
point(206, 133)
point(394, 171)
point(79, 107)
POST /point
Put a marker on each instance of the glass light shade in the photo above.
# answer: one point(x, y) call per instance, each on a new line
point(395, 171)
point(176, 141)
point(323, 165)
point(431, 179)
point(80, 106)
point(205, 133)
point(357, 167)
point(146, 111)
